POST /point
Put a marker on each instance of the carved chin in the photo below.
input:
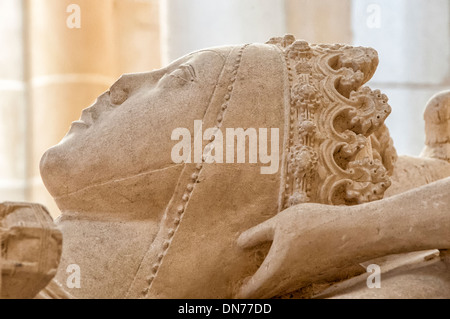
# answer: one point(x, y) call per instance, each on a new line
point(53, 169)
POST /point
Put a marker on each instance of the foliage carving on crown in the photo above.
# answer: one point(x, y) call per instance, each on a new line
point(339, 151)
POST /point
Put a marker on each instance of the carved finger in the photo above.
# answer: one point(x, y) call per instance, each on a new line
point(263, 283)
point(256, 235)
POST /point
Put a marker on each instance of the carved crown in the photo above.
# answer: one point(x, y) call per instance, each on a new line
point(338, 150)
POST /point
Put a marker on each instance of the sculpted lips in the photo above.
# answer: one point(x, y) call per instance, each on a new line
point(79, 124)
point(90, 115)
point(84, 122)
point(86, 116)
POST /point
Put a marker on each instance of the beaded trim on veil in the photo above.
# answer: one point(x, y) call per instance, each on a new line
point(187, 181)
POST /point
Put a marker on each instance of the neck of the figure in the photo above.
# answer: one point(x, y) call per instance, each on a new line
point(108, 253)
point(138, 196)
point(107, 229)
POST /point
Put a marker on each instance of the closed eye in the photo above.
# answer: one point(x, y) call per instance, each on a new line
point(191, 71)
point(185, 72)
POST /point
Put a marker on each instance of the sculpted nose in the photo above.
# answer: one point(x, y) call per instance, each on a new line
point(90, 114)
point(119, 91)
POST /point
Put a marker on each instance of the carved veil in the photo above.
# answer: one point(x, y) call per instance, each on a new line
point(334, 149)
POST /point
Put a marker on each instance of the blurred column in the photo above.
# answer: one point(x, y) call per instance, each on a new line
point(191, 25)
point(412, 38)
point(138, 35)
point(323, 21)
point(69, 68)
point(12, 103)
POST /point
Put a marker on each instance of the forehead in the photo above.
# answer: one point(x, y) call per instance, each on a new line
point(203, 59)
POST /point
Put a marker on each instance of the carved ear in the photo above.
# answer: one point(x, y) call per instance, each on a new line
point(437, 127)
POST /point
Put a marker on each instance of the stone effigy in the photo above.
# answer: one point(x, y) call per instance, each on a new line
point(141, 225)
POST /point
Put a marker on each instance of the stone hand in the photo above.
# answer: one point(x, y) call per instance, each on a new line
point(301, 252)
point(314, 242)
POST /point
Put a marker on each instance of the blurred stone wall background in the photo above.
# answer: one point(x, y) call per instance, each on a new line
point(49, 72)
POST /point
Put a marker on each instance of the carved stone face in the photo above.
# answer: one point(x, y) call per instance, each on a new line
point(127, 130)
